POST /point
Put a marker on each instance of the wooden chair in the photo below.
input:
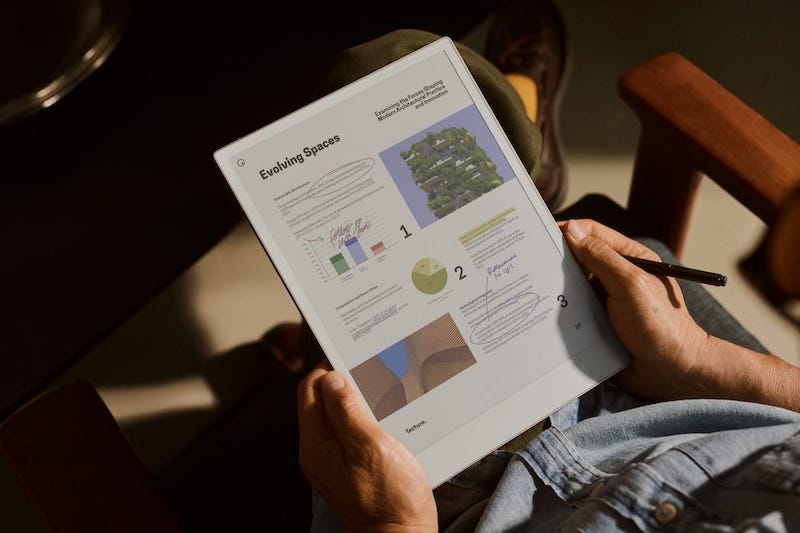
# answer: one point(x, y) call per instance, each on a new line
point(79, 470)
point(691, 125)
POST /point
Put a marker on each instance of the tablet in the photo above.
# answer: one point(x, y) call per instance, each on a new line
point(421, 255)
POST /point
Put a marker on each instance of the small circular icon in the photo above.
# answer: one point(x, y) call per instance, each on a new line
point(429, 275)
point(240, 162)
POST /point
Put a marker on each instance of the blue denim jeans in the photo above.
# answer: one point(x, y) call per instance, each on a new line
point(610, 462)
point(699, 465)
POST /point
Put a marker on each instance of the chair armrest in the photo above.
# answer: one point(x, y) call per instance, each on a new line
point(78, 468)
point(691, 125)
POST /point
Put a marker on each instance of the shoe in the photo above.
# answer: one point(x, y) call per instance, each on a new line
point(529, 38)
point(755, 269)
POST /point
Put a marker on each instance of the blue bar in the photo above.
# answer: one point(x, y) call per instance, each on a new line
point(356, 252)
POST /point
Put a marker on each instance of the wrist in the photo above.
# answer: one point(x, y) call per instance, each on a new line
point(730, 371)
point(697, 366)
point(709, 376)
point(397, 527)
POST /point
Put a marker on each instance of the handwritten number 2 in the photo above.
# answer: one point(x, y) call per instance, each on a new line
point(406, 234)
point(460, 272)
point(563, 300)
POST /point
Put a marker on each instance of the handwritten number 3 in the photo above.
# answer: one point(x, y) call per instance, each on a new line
point(563, 300)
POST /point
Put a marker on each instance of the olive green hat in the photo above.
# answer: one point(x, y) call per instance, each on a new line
point(358, 61)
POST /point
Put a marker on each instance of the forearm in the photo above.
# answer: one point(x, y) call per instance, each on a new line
point(737, 373)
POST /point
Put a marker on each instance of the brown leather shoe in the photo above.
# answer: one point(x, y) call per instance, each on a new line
point(528, 37)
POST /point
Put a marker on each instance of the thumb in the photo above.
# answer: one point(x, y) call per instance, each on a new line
point(598, 257)
point(344, 408)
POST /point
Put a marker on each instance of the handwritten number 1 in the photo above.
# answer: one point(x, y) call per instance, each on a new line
point(406, 234)
point(563, 300)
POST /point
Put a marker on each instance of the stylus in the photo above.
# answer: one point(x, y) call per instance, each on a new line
point(678, 271)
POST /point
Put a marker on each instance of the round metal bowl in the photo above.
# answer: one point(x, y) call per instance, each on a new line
point(48, 48)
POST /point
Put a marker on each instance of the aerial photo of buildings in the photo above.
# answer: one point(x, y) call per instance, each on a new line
point(451, 168)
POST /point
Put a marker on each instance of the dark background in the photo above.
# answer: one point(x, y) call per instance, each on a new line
point(111, 193)
point(107, 196)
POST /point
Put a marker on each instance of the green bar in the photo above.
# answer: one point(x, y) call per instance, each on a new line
point(339, 264)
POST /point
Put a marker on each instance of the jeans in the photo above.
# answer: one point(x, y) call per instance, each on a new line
point(610, 462)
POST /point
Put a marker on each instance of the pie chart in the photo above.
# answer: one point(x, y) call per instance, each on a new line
point(429, 275)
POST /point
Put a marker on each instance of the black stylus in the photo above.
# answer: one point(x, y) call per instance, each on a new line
point(678, 271)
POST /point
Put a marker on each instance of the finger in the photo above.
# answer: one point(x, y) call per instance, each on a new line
point(344, 408)
point(314, 427)
point(616, 240)
point(616, 273)
point(305, 389)
point(562, 225)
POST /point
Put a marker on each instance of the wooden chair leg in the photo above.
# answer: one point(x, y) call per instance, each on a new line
point(664, 188)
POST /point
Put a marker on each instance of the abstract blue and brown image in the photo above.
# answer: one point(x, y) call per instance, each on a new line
point(413, 366)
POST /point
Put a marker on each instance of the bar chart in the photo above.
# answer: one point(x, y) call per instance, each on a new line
point(339, 249)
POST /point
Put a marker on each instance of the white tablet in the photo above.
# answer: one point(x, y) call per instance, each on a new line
point(415, 245)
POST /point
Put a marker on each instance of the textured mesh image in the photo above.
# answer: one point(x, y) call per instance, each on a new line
point(413, 366)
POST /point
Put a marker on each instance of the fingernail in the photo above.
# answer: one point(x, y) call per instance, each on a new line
point(577, 229)
point(332, 381)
